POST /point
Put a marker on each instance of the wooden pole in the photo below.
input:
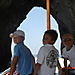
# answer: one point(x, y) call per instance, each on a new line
point(48, 14)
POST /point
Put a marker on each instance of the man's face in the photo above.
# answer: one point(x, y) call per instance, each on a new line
point(17, 39)
point(67, 40)
point(47, 39)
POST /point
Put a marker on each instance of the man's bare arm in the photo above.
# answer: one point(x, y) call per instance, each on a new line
point(13, 64)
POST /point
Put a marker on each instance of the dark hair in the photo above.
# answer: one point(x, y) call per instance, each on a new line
point(53, 34)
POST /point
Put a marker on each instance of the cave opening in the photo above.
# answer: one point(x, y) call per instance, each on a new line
point(34, 26)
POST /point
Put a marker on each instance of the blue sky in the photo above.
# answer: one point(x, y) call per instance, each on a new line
point(34, 27)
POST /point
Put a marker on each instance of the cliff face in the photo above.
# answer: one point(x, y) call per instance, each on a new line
point(64, 13)
point(13, 12)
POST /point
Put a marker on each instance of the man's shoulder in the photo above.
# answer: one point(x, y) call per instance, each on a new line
point(44, 47)
point(48, 46)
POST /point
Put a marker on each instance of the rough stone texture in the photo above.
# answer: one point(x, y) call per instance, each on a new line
point(65, 15)
point(13, 12)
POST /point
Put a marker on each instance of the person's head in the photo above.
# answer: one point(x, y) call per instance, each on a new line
point(18, 36)
point(67, 40)
point(50, 36)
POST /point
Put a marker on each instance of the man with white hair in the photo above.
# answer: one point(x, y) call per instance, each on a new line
point(22, 55)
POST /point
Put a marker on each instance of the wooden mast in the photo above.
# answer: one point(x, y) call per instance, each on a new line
point(48, 14)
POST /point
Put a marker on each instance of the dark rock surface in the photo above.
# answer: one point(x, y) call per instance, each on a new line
point(13, 12)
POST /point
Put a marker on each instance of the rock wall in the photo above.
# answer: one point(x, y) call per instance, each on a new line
point(12, 13)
